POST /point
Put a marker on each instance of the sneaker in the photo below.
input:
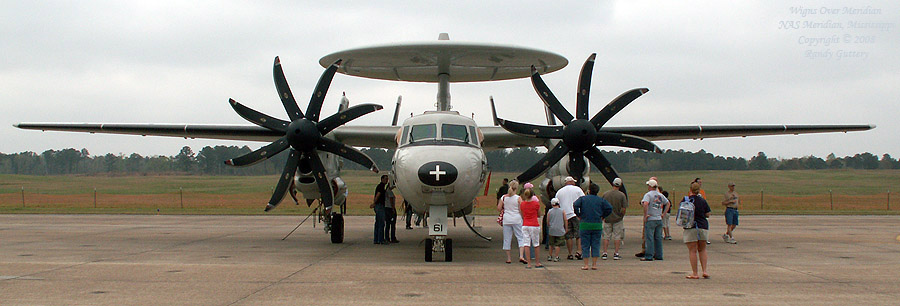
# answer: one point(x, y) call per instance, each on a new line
point(732, 241)
point(616, 256)
point(725, 237)
point(667, 238)
point(578, 256)
point(556, 259)
point(646, 259)
point(549, 258)
point(604, 256)
point(708, 242)
point(641, 254)
point(570, 257)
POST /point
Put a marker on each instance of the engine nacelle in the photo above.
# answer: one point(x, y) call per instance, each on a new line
point(305, 183)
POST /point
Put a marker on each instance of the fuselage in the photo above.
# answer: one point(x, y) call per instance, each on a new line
point(439, 161)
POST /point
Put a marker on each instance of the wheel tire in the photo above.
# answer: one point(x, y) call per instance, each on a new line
point(448, 250)
point(337, 228)
point(429, 247)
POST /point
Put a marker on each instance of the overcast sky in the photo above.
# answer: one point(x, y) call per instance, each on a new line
point(710, 62)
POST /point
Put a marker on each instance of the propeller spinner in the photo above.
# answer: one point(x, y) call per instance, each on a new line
point(579, 135)
point(303, 135)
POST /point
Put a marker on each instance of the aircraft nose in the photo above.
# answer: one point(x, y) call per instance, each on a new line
point(437, 173)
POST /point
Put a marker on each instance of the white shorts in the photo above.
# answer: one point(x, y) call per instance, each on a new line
point(532, 235)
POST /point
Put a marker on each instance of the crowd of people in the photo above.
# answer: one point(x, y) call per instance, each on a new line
point(587, 223)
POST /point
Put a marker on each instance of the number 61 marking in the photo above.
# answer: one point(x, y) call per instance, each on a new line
point(438, 228)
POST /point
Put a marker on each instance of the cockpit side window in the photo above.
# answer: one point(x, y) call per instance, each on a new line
point(423, 131)
point(405, 135)
point(454, 132)
point(473, 139)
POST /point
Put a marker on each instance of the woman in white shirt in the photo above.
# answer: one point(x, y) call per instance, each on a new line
point(512, 221)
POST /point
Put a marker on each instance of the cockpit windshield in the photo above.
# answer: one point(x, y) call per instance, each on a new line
point(454, 132)
point(423, 131)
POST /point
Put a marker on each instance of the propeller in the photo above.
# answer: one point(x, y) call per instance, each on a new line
point(303, 135)
point(579, 135)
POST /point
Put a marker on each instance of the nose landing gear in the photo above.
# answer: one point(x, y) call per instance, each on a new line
point(439, 244)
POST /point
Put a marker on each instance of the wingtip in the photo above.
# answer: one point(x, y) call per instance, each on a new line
point(374, 169)
point(269, 207)
point(644, 90)
point(592, 57)
point(229, 162)
point(872, 126)
point(277, 61)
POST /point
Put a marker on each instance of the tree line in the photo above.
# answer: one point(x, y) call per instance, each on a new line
point(210, 161)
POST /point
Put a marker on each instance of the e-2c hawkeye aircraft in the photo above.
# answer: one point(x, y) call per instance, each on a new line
point(439, 165)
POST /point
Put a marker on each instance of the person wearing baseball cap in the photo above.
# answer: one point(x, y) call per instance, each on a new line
point(556, 229)
point(654, 204)
point(567, 196)
point(614, 224)
point(731, 202)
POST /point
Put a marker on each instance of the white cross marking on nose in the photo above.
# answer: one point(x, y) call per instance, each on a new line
point(437, 172)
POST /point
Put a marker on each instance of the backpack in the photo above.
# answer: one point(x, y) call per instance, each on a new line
point(685, 215)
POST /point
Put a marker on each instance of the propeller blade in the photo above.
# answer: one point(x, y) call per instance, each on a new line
point(260, 154)
point(616, 105)
point(258, 118)
point(625, 140)
point(494, 112)
point(550, 158)
point(290, 167)
point(584, 88)
point(396, 111)
point(318, 171)
point(549, 99)
point(602, 164)
point(318, 96)
point(348, 152)
point(531, 130)
point(338, 119)
point(576, 166)
point(284, 92)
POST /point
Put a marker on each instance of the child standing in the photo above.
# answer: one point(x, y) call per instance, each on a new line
point(556, 223)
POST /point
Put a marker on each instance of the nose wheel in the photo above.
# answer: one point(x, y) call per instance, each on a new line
point(439, 244)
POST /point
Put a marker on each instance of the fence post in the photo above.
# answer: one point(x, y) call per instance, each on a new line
point(181, 196)
point(95, 197)
point(889, 200)
point(831, 198)
point(760, 199)
point(23, 196)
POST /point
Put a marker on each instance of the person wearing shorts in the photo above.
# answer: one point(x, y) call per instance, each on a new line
point(567, 196)
point(731, 202)
point(530, 207)
point(695, 238)
point(556, 223)
point(614, 224)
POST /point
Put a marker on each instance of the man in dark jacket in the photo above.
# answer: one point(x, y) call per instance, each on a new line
point(591, 210)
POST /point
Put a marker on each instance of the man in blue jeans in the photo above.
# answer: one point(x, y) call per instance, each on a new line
point(378, 205)
point(591, 210)
point(654, 204)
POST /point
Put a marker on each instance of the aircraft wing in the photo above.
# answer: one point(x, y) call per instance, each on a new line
point(358, 136)
point(496, 137)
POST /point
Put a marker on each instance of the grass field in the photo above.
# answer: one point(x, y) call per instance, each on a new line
point(763, 192)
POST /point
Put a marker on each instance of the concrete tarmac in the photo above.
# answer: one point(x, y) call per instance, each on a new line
point(241, 260)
